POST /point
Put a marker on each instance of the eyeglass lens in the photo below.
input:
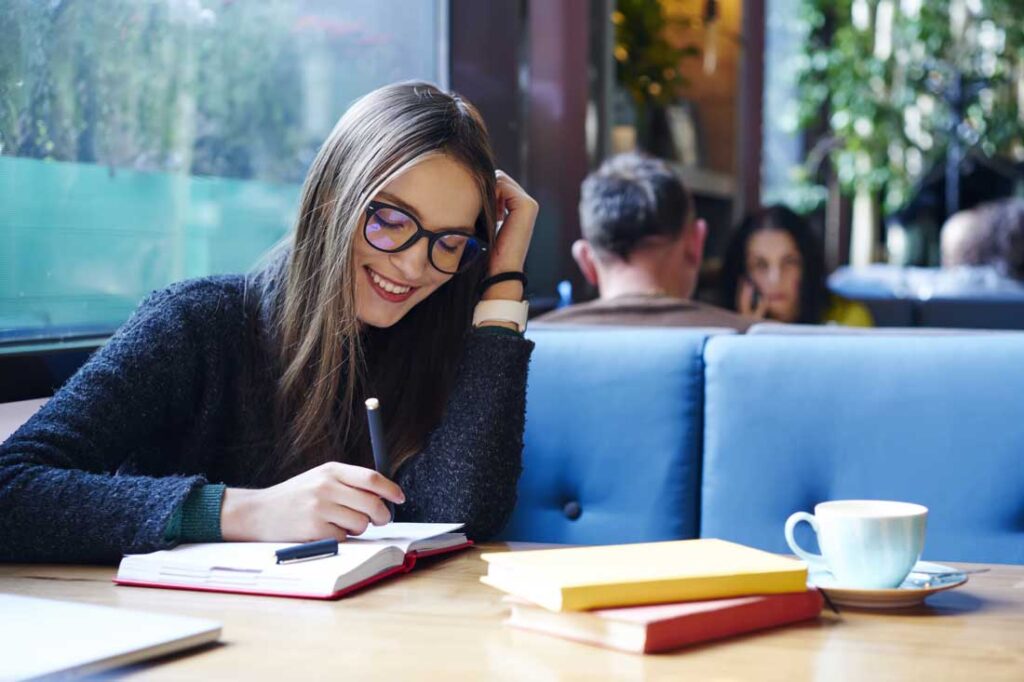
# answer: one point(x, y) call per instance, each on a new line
point(389, 229)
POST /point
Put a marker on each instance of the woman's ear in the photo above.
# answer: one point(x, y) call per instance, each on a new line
point(583, 254)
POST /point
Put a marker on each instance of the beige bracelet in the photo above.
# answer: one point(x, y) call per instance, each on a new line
point(498, 310)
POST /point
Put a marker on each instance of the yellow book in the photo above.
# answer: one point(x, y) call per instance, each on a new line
point(580, 578)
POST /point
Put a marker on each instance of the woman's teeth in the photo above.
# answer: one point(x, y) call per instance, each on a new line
point(386, 285)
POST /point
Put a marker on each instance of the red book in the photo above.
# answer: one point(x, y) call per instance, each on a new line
point(647, 629)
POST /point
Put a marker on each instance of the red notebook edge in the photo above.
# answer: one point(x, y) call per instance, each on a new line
point(775, 610)
point(407, 565)
point(678, 633)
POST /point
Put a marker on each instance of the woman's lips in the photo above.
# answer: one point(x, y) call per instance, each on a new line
point(388, 296)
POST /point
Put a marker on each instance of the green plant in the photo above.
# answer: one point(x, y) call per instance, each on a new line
point(882, 75)
point(646, 61)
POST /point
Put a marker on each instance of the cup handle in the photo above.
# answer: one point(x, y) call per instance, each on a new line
point(791, 541)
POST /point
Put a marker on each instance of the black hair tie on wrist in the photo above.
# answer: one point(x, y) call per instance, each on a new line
point(488, 282)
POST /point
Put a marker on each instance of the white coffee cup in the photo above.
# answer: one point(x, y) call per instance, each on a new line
point(870, 544)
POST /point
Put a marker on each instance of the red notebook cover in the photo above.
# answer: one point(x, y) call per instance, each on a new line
point(405, 567)
point(663, 627)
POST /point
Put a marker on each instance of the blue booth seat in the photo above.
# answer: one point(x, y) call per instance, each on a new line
point(998, 311)
point(791, 421)
point(963, 297)
point(613, 434)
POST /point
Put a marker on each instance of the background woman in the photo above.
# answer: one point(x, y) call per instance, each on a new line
point(774, 269)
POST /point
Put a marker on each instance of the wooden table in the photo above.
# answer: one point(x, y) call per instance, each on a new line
point(439, 622)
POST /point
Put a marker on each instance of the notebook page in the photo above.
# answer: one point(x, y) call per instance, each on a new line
point(252, 565)
point(406, 536)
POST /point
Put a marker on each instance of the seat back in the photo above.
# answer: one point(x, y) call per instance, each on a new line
point(996, 312)
point(613, 434)
point(791, 421)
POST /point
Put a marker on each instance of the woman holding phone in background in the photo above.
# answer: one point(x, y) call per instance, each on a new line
point(774, 269)
point(231, 407)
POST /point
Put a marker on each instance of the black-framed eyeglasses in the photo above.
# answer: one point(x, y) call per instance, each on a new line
point(391, 229)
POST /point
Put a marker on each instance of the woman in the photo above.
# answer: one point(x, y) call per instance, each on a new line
point(231, 407)
point(774, 269)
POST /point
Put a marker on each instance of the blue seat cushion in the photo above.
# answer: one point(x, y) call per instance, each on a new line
point(937, 420)
point(613, 433)
point(1002, 311)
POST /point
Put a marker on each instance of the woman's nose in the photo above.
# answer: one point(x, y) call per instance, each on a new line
point(412, 262)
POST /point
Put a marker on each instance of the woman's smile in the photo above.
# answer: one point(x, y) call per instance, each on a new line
point(389, 289)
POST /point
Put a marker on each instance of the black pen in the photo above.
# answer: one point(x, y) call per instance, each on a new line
point(307, 551)
point(380, 452)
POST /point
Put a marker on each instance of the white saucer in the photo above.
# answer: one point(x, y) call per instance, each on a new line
point(925, 579)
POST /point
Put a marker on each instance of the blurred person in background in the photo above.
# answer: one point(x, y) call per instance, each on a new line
point(991, 234)
point(774, 269)
point(642, 247)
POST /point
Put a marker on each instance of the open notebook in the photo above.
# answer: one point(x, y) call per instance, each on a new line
point(252, 568)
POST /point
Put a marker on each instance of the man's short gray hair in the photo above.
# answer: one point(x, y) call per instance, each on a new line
point(631, 198)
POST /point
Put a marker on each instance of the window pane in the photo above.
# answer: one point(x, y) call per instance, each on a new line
point(148, 141)
point(783, 146)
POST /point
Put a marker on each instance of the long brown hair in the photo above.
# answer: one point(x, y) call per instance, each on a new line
point(327, 363)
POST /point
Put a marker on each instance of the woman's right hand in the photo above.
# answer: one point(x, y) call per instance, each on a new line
point(745, 301)
point(333, 500)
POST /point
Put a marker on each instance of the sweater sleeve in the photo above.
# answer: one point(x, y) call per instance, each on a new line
point(198, 518)
point(469, 469)
point(62, 496)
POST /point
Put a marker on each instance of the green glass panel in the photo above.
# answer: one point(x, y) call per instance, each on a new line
point(148, 141)
point(82, 244)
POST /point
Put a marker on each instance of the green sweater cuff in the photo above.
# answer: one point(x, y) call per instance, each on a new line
point(494, 330)
point(198, 518)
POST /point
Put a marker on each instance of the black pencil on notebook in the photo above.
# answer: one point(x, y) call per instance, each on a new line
point(380, 452)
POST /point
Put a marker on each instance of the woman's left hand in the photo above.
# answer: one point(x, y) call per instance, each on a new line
point(513, 241)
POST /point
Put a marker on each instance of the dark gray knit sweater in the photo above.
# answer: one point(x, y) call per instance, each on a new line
point(158, 412)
